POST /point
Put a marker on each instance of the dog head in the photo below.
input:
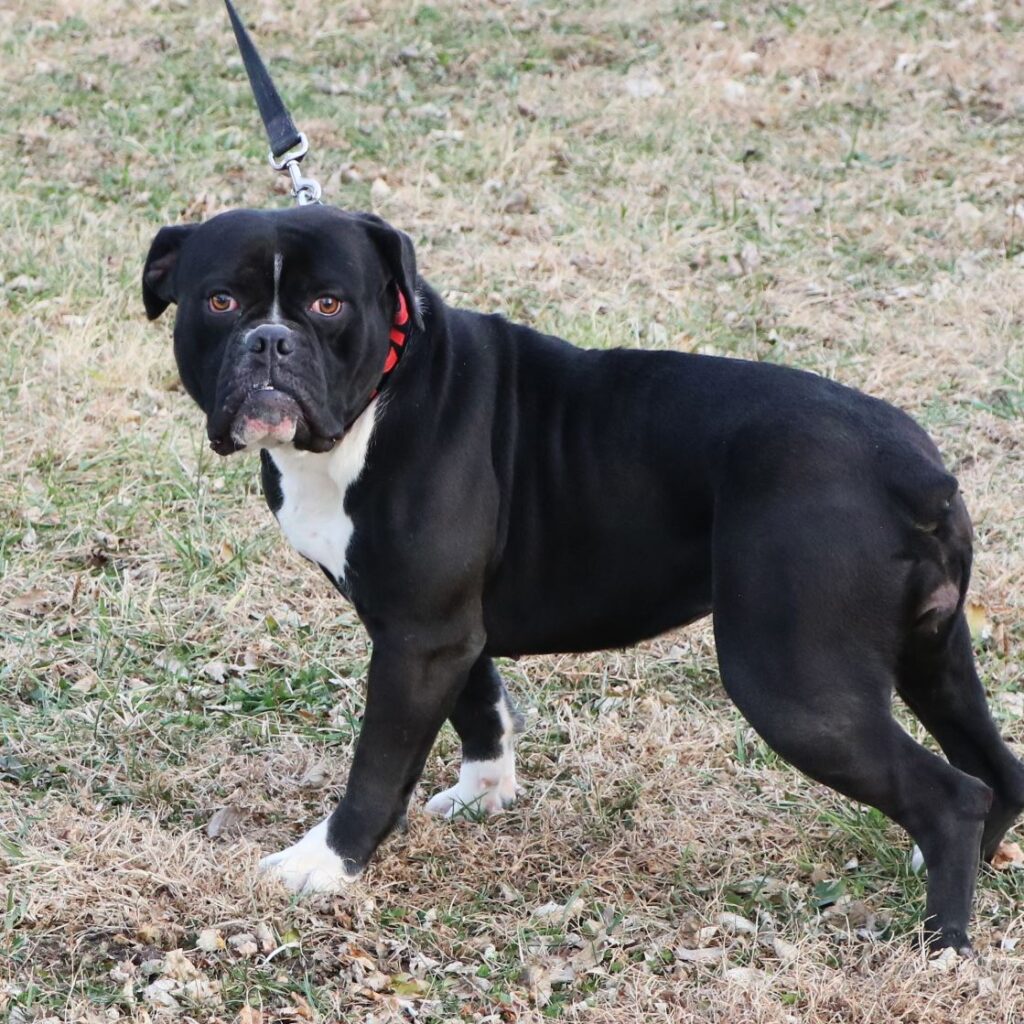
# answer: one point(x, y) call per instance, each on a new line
point(283, 316)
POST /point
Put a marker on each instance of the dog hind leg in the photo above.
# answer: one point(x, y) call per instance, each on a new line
point(939, 683)
point(808, 632)
point(486, 721)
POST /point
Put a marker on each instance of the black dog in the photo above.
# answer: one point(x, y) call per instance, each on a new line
point(499, 492)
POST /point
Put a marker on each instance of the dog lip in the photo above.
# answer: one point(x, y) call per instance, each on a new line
point(307, 436)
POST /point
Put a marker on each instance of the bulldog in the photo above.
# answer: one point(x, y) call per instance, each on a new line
point(477, 489)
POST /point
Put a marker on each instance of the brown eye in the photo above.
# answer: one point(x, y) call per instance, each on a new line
point(327, 305)
point(221, 302)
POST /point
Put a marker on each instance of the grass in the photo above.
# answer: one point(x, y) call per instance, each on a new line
point(834, 186)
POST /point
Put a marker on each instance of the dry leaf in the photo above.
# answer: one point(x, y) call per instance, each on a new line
point(210, 940)
point(86, 682)
point(978, 620)
point(249, 1015)
point(711, 954)
point(34, 601)
point(559, 911)
point(265, 937)
point(159, 993)
point(744, 976)
point(244, 944)
point(215, 670)
point(946, 960)
point(737, 924)
point(201, 990)
point(224, 819)
point(315, 777)
point(302, 1008)
point(1008, 855)
point(784, 950)
point(178, 966)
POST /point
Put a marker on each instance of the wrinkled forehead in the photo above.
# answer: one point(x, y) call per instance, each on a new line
point(286, 245)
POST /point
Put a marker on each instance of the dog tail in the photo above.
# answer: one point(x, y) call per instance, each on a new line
point(928, 497)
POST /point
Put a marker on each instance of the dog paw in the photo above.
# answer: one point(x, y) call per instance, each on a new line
point(484, 787)
point(310, 865)
point(916, 860)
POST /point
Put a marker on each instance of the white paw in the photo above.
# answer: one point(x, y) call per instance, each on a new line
point(484, 787)
point(916, 860)
point(310, 865)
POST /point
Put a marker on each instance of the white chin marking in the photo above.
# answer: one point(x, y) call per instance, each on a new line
point(484, 787)
point(310, 865)
point(252, 433)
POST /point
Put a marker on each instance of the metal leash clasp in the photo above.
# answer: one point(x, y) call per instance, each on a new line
point(304, 190)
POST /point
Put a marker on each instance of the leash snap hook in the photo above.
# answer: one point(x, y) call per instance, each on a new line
point(304, 190)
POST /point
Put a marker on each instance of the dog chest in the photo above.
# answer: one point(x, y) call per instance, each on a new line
point(309, 492)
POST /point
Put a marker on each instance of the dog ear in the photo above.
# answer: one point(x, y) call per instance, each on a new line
point(158, 274)
point(396, 249)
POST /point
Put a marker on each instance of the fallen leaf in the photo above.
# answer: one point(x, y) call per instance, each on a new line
point(744, 976)
point(315, 777)
point(784, 950)
point(201, 990)
point(737, 924)
point(407, 985)
point(977, 620)
point(249, 1015)
point(33, 601)
point(226, 818)
point(215, 670)
point(710, 954)
point(265, 937)
point(210, 940)
point(302, 1008)
point(178, 966)
point(244, 944)
point(561, 911)
point(946, 960)
point(159, 993)
point(1008, 855)
point(86, 682)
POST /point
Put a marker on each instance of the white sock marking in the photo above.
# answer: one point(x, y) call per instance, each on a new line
point(484, 787)
point(309, 865)
point(916, 860)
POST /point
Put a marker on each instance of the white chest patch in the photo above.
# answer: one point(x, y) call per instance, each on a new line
point(313, 485)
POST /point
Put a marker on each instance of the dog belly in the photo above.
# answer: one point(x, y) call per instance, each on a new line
point(597, 604)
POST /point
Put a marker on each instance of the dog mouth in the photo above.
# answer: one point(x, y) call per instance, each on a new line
point(268, 417)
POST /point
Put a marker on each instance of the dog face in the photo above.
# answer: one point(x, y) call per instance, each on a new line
point(283, 317)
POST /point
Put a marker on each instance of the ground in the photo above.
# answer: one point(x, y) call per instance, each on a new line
point(831, 185)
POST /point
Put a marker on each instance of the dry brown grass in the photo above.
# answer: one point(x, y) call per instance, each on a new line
point(836, 186)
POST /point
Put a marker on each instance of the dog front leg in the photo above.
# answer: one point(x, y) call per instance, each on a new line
point(410, 691)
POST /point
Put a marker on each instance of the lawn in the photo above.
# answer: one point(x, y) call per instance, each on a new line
point(831, 185)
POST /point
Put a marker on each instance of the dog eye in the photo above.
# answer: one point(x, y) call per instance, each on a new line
point(221, 302)
point(327, 305)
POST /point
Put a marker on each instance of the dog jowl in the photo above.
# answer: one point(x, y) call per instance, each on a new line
point(477, 489)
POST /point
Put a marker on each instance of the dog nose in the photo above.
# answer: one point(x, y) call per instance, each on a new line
point(275, 338)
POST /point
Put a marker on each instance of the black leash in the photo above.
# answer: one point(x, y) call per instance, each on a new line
point(287, 144)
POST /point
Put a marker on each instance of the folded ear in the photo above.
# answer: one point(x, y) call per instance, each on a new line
point(396, 249)
point(158, 274)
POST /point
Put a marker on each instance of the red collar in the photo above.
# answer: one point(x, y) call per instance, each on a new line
point(399, 333)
